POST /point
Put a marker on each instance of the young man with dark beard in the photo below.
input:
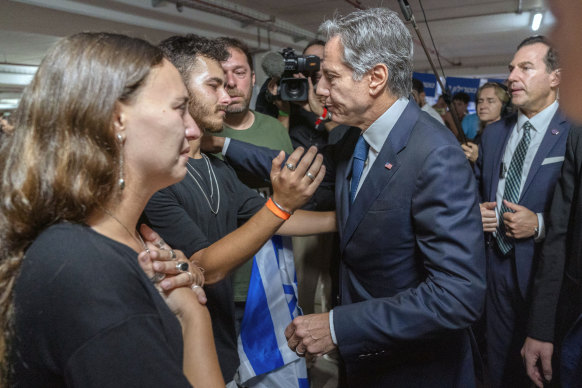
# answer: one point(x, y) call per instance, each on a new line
point(200, 214)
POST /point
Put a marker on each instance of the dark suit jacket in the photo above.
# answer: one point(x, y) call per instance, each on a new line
point(538, 187)
point(559, 275)
point(412, 273)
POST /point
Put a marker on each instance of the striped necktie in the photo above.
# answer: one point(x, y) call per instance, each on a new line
point(359, 160)
point(512, 185)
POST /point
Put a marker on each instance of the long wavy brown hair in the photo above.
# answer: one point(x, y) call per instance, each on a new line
point(62, 160)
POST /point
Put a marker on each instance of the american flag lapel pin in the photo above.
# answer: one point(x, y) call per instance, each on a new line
point(388, 166)
point(555, 131)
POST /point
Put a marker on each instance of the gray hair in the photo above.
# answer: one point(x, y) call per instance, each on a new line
point(374, 36)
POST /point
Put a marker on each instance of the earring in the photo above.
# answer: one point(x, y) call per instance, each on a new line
point(121, 180)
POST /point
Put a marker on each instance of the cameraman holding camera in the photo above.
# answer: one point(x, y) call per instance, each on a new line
point(295, 104)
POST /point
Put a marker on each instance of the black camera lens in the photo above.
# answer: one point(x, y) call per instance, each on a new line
point(294, 89)
point(291, 88)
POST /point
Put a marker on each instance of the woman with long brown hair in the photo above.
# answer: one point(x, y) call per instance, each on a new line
point(103, 125)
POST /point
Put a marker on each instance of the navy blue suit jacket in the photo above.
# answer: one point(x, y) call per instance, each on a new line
point(412, 276)
point(538, 188)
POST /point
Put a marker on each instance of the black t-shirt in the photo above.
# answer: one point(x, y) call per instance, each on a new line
point(86, 315)
point(182, 216)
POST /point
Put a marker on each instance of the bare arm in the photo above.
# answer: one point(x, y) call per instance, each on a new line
point(200, 360)
point(304, 223)
point(291, 189)
point(237, 247)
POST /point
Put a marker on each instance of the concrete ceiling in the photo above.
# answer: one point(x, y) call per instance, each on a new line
point(473, 37)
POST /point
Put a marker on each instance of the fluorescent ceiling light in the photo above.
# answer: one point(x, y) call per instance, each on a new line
point(536, 21)
point(9, 103)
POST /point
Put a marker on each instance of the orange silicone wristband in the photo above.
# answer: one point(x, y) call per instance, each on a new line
point(276, 211)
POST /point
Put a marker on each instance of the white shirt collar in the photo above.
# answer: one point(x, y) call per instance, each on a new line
point(378, 132)
point(540, 121)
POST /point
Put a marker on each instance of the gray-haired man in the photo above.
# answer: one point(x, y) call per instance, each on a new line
point(412, 272)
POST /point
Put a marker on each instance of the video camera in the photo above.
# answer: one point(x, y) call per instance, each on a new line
point(284, 65)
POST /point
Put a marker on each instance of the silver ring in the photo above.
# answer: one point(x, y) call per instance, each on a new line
point(310, 175)
point(300, 354)
point(200, 279)
point(182, 266)
point(172, 254)
point(290, 166)
point(190, 276)
point(158, 277)
point(194, 287)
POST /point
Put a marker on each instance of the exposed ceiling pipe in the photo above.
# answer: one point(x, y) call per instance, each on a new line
point(471, 16)
point(251, 17)
point(231, 11)
point(450, 61)
point(519, 7)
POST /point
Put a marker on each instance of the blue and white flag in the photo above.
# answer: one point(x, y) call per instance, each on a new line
point(266, 360)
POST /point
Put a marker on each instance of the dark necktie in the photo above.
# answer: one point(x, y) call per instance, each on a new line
point(512, 184)
point(359, 160)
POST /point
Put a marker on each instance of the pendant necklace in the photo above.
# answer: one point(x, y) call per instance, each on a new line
point(213, 182)
point(139, 242)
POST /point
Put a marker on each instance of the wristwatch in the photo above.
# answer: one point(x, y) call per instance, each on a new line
point(536, 232)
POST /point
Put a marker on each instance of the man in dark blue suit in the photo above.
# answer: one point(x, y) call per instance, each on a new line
point(557, 289)
point(518, 166)
point(412, 272)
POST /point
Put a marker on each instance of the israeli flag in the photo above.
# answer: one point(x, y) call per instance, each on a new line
point(266, 360)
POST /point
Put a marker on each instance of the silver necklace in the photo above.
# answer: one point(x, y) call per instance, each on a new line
point(213, 181)
point(139, 242)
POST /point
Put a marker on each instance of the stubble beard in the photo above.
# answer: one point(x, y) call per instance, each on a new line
point(206, 119)
point(239, 107)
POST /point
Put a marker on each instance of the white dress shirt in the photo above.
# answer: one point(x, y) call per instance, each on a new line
point(378, 132)
point(540, 123)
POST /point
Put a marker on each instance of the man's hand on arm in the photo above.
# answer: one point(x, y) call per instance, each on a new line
point(537, 353)
point(520, 224)
point(310, 335)
point(488, 216)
